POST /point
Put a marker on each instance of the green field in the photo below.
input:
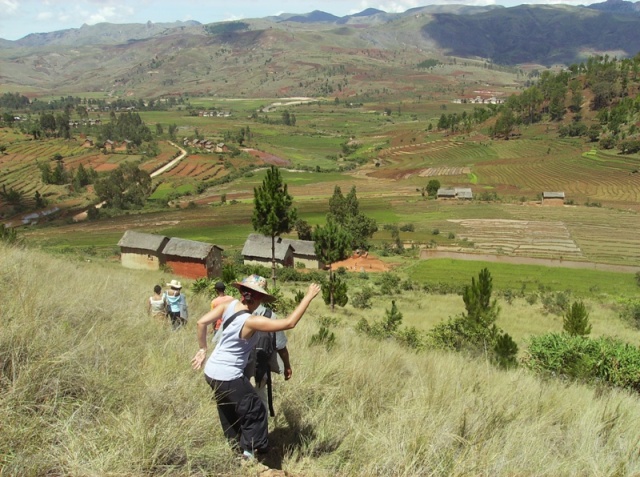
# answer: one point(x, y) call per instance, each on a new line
point(530, 278)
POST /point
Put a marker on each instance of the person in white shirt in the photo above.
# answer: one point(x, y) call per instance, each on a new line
point(242, 414)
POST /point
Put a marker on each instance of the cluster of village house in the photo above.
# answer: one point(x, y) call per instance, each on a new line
point(192, 259)
point(478, 100)
point(214, 114)
point(205, 145)
point(465, 193)
point(109, 145)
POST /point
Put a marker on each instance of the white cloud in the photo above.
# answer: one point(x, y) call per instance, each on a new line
point(111, 14)
point(43, 16)
point(9, 6)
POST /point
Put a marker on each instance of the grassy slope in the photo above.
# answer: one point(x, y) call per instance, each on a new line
point(90, 385)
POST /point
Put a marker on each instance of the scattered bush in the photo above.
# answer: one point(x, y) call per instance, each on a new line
point(556, 303)
point(323, 337)
point(388, 283)
point(631, 313)
point(590, 360)
point(362, 299)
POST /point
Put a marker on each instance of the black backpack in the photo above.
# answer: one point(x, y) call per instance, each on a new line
point(261, 359)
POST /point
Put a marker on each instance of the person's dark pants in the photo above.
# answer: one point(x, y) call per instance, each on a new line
point(176, 320)
point(242, 413)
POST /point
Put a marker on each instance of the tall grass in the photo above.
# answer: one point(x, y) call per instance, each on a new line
point(90, 385)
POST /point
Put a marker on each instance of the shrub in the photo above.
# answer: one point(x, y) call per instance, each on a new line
point(505, 351)
point(323, 337)
point(631, 313)
point(576, 320)
point(339, 288)
point(229, 274)
point(389, 283)
point(458, 334)
point(532, 298)
point(556, 303)
point(577, 357)
point(362, 299)
point(200, 285)
point(8, 235)
point(298, 296)
point(410, 337)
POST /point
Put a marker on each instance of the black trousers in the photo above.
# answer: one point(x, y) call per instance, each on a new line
point(242, 414)
point(176, 320)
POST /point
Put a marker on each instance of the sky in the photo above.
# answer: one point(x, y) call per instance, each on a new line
point(18, 18)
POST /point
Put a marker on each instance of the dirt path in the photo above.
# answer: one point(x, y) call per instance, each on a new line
point(546, 262)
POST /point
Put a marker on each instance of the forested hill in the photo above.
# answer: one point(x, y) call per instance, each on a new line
point(542, 34)
point(598, 100)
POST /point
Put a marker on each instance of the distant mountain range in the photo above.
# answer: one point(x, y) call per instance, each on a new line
point(160, 58)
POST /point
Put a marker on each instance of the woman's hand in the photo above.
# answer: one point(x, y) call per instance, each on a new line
point(198, 359)
point(313, 290)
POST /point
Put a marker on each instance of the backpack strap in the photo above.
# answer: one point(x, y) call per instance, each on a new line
point(229, 320)
point(268, 314)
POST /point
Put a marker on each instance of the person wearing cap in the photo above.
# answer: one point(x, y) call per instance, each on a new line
point(220, 299)
point(177, 304)
point(242, 414)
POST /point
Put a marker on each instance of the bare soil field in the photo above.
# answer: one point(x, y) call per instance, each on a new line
point(366, 263)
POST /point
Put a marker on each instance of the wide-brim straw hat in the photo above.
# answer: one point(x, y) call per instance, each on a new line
point(257, 284)
point(174, 284)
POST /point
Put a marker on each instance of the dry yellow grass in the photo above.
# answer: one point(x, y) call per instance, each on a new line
point(90, 385)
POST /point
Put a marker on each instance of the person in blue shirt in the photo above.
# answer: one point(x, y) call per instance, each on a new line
point(176, 304)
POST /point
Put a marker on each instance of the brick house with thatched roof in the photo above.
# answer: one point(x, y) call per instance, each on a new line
point(192, 259)
point(257, 251)
point(142, 251)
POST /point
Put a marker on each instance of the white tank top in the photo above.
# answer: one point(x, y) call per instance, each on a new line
point(230, 356)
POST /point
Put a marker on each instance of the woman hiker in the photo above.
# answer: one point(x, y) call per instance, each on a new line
point(157, 305)
point(242, 414)
point(177, 304)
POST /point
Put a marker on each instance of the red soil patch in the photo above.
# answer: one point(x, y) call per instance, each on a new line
point(268, 158)
point(363, 264)
point(105, 167)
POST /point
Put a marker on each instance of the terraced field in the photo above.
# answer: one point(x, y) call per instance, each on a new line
point(548, 239)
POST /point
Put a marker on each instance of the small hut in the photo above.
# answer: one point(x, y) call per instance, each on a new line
point(192, 259)
point(304, 253)
point(552, 198)
point(141, 251)
point(257, 251)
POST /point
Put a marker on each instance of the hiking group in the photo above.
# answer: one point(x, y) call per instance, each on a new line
point(248, 341)
point(171, 305)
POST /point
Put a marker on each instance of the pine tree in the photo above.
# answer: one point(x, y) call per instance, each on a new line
point(392, 319)
point(506, 351)
point(576, 320)
point(273, 213)
point(332, 243)
point(480, 308)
